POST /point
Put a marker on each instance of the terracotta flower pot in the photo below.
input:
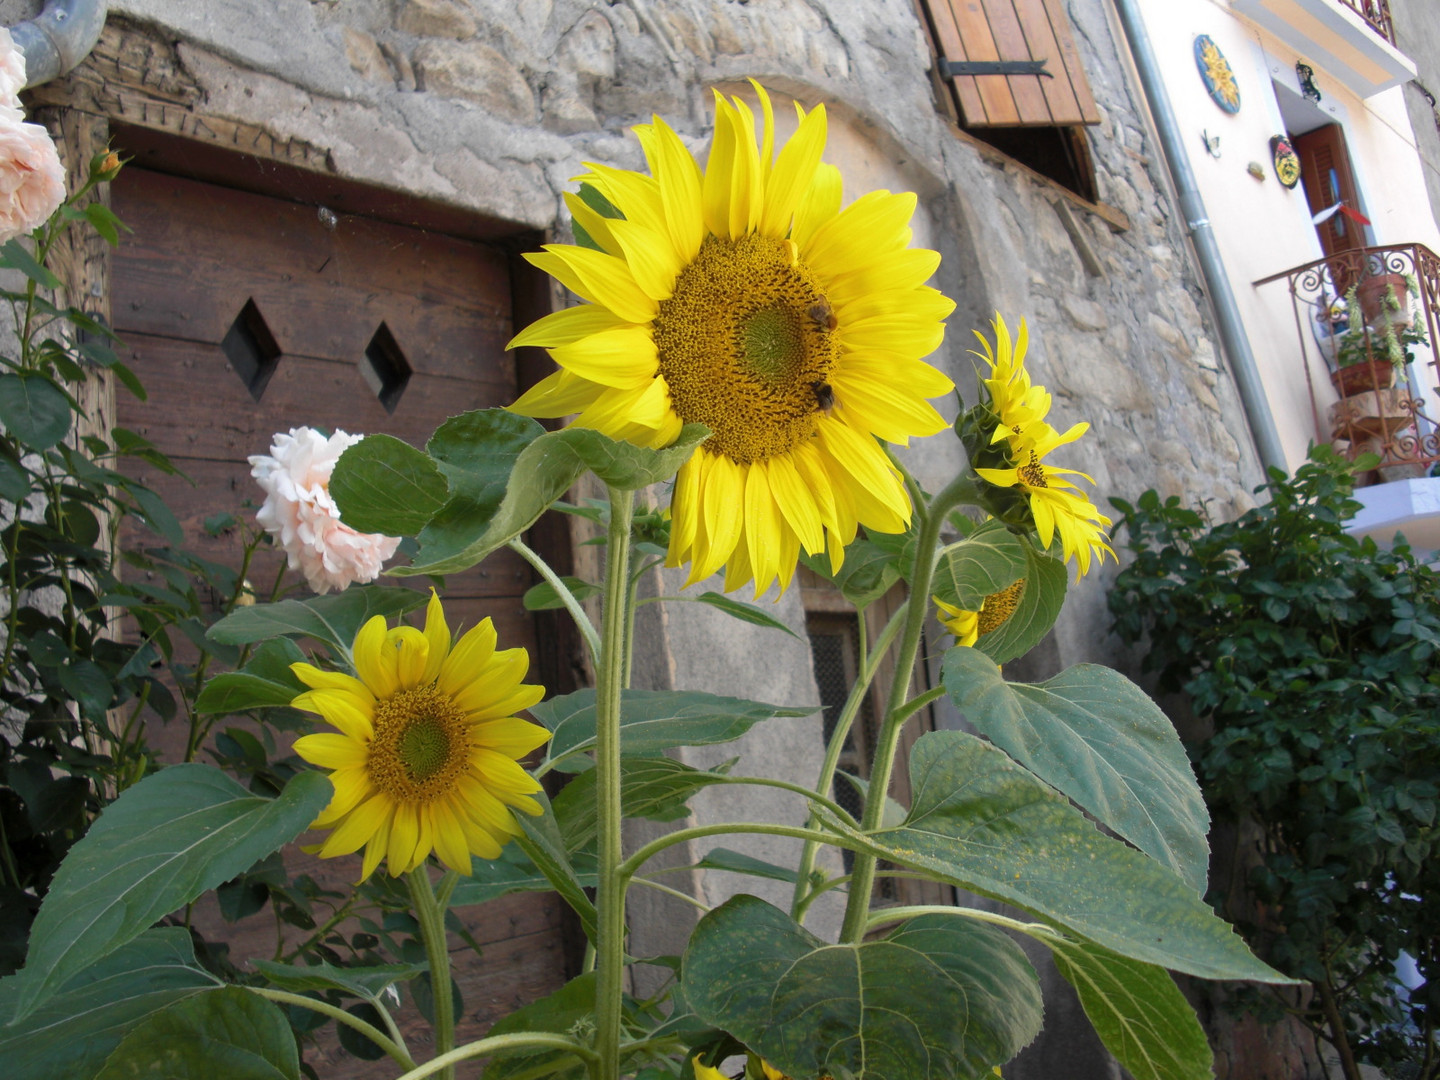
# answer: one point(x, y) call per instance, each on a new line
point(1374, 296)
point(1362, 378)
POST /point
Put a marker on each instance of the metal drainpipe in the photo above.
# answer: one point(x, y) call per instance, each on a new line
point(1227, 316)
point(59, 37)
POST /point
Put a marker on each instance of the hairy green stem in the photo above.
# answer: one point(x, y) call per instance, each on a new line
point(495, 1044)
point(582, 621)
point(802, 896)
point(431, 917)
point(857, 906)
point(283, 997)
point(610, 677)
point(628, 868)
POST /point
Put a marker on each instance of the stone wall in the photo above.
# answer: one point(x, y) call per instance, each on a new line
point(491, 106)
point(1417, 32)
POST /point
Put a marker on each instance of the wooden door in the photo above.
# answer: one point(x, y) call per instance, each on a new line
point(1327, 178)
point(245, 315)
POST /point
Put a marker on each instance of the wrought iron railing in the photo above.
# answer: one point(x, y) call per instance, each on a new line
point(1369, 316)
point(1376, 13)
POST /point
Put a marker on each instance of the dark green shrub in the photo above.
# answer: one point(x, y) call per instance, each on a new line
point(1313, 655)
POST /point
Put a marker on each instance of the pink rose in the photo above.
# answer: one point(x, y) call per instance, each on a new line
point(300, 514)
point(32, 180)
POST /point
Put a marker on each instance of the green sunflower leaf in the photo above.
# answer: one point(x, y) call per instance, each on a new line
point(988, 560)
point(543, 597)
point(162, 843)
point(383, 485)
point(264, 682)
point(73, 1033)
point(362, 982)
point(937, 997)
point(1138, 1012)
point(866, 575)
point(652, 788)
point(745, 612)
point(543, 472)
point(1035, 612)
point(545, 847)
point(651, 722)
point(230, 1032)
point(512, 872)
point(334, 620)
point(980, 821)
point(476, 451)
point(569, 1009)
point(736, 863)
point(1095, 736)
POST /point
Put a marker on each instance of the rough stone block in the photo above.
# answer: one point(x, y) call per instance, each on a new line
point(475, 73)
point(436, 18)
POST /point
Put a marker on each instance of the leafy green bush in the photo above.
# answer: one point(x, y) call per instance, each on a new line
point(1313, 654)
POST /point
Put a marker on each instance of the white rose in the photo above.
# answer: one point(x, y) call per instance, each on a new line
point(300, 514)
point(12, 71)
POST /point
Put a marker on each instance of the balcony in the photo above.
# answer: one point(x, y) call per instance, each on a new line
point(1352, 41)
point(1368, 317)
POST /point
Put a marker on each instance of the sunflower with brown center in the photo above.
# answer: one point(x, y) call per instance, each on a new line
point(426, 748)
point(744, 297)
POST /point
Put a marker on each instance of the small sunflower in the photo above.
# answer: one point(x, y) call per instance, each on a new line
point(426, 757)
point(1056, 504)
point(744, 298)
point(969, 626)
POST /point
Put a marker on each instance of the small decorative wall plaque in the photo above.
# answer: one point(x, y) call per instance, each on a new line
point(1305, 74)
point(1286, 161)
point(1216, 74)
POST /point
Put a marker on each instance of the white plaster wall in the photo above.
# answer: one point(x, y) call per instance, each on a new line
point(1260, 227)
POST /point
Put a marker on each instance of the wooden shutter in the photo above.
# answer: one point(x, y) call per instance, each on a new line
point(1014, 30)
point(1327, 178)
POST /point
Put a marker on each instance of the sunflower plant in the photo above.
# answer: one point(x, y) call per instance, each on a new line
point(748, 350)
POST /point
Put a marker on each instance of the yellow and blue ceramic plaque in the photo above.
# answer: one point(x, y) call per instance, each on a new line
point(1216, 74)
point(1287, 162)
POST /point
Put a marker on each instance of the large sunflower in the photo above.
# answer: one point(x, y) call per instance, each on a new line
point(744, 298)
point(426, 755)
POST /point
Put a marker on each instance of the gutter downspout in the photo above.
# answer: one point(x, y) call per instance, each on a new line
point(57, 39)
point(1227, 315)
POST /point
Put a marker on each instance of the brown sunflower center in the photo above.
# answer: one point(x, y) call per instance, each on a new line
point(747, 345)
point(421, 746)
point(1032, 474)
point(998, 607)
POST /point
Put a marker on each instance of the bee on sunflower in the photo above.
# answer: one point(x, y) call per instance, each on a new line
point(742, 296)
point(1008, 439)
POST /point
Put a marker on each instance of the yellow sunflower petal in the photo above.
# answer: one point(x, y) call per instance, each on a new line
point(510, 736)
point(567, 326)
point(877, 223)
point(793, 174)
point(404, 836)
point(684, 510)
point(622, 357)
point(359, 825)
point(374, 663)
point(557, 395)
point(340, 708)
point(495, 682)
point(318, 679)
point(522, 697)
point(450, 842)
point(762, 527)
point(595, 276)
point(471, 653)
point(412, 652)
point(331, 751)
point(797, 504)
point(724, 493)
point(375, 850)
point(679, 179)
point(651, 256)
point(437, 637)
point(819, 204)
point(351, 784)
point(593, 224)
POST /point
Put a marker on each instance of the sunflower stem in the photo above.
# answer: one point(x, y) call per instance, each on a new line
point(610, 678)
point(932, 517)
point(870, 664)
point(431, 917)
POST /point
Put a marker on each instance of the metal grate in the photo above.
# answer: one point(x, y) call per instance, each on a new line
point(833, 650)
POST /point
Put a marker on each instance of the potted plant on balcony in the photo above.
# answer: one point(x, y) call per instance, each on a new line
point(1385, 299)
point(1364, 357)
